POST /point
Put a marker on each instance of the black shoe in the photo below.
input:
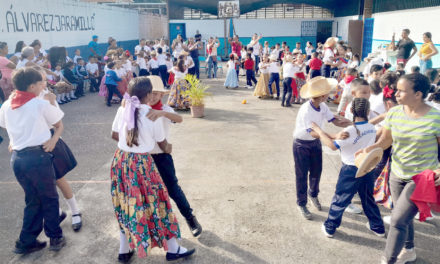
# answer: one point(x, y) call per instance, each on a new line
point(305, 212)
point(288, 105)
point(126, 257)
point(316, 203)
point(282, 105)
point(109, 104)
point(61, 102)
point(278, 98)
point(56, 244)
point(194, 226)
point(76, 227)
point(62, 217)
point(73, 98)
point(20, 249)
point(176, 256)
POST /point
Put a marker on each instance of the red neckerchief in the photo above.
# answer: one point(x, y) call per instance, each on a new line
point(348, 79)
point(155, 59)
point(20, 98)
point(157, 106)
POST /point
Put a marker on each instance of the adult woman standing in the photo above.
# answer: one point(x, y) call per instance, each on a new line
point(6, 67)
point(413, 129)
point(329, 55)
point(17, 54)
point(178, 46)
point(426, 52)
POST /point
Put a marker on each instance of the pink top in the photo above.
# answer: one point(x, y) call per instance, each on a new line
point(236, 48)
point(6, 72)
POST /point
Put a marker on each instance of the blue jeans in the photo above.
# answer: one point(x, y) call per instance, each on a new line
point(287, 90)
point(165, 165)
point(212, 66)
point(33, 168)
point(346, 188)
point(274, 77)
point(425, 65)
point(163, 74)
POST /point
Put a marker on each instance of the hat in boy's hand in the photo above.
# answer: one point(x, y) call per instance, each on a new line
point(318, 86)
point(157, 84)
point(273, 57)
point(366, 162)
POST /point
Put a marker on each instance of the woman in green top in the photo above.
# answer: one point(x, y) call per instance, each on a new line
point(413, 128)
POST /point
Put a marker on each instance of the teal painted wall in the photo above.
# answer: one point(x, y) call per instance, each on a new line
point(435, 59)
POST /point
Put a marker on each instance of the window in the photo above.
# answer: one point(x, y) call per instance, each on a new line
point(287, 11)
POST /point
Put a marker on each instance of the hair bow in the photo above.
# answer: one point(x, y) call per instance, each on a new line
point(387, 92)
point(131, 103)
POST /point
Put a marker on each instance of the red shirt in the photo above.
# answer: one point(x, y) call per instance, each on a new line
point(249, 64)
point(315, 64)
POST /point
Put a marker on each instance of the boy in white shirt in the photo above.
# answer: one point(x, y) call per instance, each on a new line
point(77, 56)
point(93, 70)
point(153, 64)
point(345, 84)
point(307, 149)
point(274, 71)
point(31, 143)
point(361, 135)
point(140, 60)
point(289, 71)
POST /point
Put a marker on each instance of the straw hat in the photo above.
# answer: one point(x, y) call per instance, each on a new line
point(318, 86)
point(366, 162)
point(331, 41)
point(288, 58)
point(273, 57)
point(184, 53)
point(157, 84)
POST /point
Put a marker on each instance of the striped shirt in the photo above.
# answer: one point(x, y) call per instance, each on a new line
point(415, 146)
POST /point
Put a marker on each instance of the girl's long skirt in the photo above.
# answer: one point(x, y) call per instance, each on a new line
point(231, 78)
point(176, 98)
point(262, 88)
point(141, 202)
point(103, 88)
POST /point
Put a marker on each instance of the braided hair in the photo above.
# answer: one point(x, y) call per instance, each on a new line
point(360, 108)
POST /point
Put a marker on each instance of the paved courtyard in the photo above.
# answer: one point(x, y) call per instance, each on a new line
point(236, 168)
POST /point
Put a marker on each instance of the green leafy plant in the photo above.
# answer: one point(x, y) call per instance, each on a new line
point(196, 90)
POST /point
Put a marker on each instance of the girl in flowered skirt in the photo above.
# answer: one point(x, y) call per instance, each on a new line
point(141, 202)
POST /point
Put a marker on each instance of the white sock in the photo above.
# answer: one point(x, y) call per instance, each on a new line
point(73, 209)
point(58, 98)
point(123, 244)
point(72, 94)
point(173, 246)
point(61, 211)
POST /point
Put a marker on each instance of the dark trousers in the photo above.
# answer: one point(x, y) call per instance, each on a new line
point(165, 165)
point(308, 67)
point(257, 61)
point(192, 71)
point(275, 77)
point(379, 167)
point(307, 155)
point(34, 171)
point(250, 77)
point(143, 72)
point(94, 84)
point(163, 74)
point(196, 67)
point(79, 88)
point(401, 233)
point(325, 71)
point(287, 91)
point(346, 188)
point(112, 89)
point(315, 73)
point(155, 71)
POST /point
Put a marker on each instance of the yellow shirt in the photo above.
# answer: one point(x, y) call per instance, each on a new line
point(425, 50)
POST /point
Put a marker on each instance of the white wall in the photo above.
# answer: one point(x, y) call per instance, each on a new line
point(247, 27)
point(39, 19)
point(340, 26)
point(153, 26)
point(417, 20)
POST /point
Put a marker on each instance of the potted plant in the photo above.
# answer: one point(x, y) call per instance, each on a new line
point(197, 93)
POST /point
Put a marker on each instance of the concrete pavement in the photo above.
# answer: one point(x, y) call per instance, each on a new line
point(236, 168)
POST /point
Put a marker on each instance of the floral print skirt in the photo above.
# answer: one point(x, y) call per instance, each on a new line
point(141, 202)
point(177, 99)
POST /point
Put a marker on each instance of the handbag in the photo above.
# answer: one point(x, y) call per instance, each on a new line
point(382, 193)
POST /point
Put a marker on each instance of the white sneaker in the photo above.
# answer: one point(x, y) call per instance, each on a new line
point(353, 209)
point(377, 234)
point(383, 260)
point(406, 255)
point(417, 217)
point(325, 232)
point(387, 219)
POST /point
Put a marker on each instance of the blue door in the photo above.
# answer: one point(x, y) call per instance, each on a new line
point(367, 43)
point(177, 28)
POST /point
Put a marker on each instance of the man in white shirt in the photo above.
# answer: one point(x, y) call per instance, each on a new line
point(298, 48)
point(27, 120)
point(212, 60)
point(255, 44)
point(142, 46)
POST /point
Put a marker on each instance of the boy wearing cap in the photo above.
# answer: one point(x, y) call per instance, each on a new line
point(361, 135)
point(164, 161)
point(307, 149)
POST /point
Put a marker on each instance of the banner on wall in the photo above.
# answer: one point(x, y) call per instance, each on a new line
point(228, 9)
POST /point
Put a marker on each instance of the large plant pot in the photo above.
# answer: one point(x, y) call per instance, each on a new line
point(198, 111)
